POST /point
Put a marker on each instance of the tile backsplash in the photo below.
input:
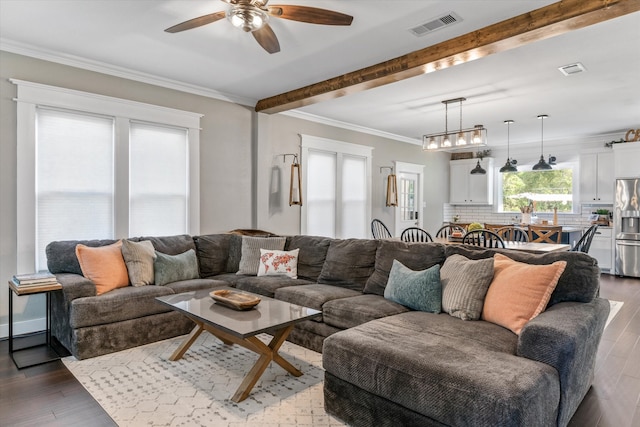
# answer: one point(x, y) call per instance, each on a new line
point(484, 214)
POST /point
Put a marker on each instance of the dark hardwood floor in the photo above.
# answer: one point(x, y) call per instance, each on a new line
point(48, 395)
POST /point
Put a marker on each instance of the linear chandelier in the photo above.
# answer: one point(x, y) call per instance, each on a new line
point(455, 140)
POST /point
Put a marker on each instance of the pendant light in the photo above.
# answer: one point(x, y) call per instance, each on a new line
point(478, 170)
point(542, 164)
point(509, 165)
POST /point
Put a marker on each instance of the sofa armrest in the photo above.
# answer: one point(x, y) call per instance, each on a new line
point(566, 336)
point(74, 286)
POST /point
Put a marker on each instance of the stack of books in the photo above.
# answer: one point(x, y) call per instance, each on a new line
point(34, 279)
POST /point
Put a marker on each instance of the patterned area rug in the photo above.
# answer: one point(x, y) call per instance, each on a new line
point(141, 387)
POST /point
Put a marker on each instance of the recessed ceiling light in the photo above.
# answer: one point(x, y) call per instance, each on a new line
point(571, 69)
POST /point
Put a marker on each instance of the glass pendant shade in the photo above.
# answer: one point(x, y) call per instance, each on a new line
point(295, 186)
point(392, 191)
point(542, 164)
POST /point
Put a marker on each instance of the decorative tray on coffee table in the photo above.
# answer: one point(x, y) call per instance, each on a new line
point(235, 300)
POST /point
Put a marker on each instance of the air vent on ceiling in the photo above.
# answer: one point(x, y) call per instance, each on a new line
point(435, 24)
point(571, 69)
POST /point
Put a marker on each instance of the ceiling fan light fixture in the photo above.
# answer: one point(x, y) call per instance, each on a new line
point(247, 18)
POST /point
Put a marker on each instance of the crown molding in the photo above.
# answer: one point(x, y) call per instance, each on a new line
point(349, 126)
point(37, 52)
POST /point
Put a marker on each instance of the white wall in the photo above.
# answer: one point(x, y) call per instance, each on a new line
point(239, 152)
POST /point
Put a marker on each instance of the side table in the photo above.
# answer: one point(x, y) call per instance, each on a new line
point(39, 353)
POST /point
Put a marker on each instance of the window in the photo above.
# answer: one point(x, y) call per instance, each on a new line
point(336, 186)
point(95, 167)
point(546, 189)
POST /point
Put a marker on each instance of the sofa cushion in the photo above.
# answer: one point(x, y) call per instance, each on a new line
point(313, 252)
point(349, 263)
point(416, 256)
point(117, 305)
point(267, 285)
point(170, 245)
point(213, 253)
point(278, 263)
point(62, 258)
point(104, 266)
point(464, 286)
point(139, 258)
point(419, 290)
point(171, 268)
point(580, 281)
point(251, 252)
point(313, 296)
point(519, 291)
point(348, 312)
point(454, 372)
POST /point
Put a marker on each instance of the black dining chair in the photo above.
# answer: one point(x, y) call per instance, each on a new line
point(513, 234)
point(484, 238)
point(379, 230)
point(415, 234)
point(446, 230)
point(584, 243)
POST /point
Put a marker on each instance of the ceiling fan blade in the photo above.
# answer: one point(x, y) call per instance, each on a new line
point(311, 15)
point(267, 39)
point(197, 22)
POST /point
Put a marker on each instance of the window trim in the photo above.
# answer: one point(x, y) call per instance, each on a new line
point(528, 168)
point(31, 95)
point(340, 148)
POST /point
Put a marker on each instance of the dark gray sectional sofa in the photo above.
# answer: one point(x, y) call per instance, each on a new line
point(386, 365)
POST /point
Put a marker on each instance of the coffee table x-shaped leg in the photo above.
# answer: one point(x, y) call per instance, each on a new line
point(267, 353)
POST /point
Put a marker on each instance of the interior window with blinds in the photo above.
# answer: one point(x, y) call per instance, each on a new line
point(101, 168)
point(74, 177)
point(337, 188)
point(158, 180)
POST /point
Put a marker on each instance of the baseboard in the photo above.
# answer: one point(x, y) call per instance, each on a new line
point(24, 327)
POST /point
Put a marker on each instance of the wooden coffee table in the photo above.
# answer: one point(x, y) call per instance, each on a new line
point(241, 327)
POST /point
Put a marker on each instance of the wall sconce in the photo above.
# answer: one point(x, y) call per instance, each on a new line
point(392, 187)
point(295, 185)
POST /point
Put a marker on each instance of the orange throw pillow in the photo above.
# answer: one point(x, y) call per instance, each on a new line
point(519, 291)
point(104, 266)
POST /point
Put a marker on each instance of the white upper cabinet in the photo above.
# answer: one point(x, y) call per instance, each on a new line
point(627, 159)
point(597, 178)
point(468, 189)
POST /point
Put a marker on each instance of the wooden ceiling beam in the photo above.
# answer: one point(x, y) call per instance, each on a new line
point(549, 21)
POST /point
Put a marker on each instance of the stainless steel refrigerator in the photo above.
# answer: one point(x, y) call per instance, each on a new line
point(627, 227)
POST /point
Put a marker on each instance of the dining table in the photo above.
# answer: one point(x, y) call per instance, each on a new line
point(534, 247)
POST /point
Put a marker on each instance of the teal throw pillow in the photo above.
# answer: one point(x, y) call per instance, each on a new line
point(172, 268)
point(418, 290)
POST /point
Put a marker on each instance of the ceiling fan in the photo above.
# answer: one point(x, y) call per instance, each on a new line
point(253, 16)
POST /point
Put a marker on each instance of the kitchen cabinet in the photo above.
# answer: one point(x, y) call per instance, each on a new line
point(597, 178)
point(626, 159)
point(602, 248)
point(468, 189)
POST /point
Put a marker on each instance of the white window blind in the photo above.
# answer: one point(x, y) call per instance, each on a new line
point(74, 178)
point(158, 180)
point(321, 193)
point(354, 197)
